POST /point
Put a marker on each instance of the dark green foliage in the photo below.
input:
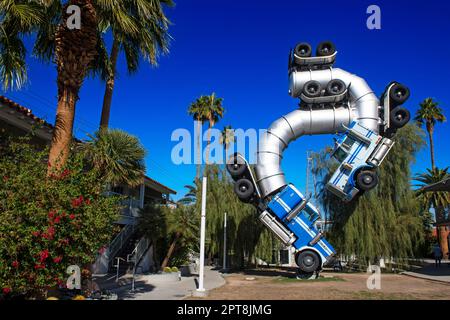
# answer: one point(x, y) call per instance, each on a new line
point(48, 223)
point(246, 236)
point(117, 156)
point(384, 222)
point(162, 224)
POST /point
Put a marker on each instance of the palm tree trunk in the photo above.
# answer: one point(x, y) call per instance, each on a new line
point(107, 98)
point(62, 136)
point(199, 128)
point(74, 52)
point(430, 135)
point(170, 252)
point(208, 143)
point(443, 242)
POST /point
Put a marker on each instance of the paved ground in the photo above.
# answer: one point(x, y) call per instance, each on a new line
point(431, 272)
point(275, 284)
point(151, 287)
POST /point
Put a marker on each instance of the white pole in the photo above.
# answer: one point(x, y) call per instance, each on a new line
point(202, 238)
point(225, 242)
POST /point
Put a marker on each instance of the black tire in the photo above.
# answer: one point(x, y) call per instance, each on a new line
point(236, 167)
point(325, 48)
point(335, 87)
point(398, 94)
point(303, 50)
point(308, 261)
point(244, 189)
point(312, 89)
point(366, 180)
point(399, 117)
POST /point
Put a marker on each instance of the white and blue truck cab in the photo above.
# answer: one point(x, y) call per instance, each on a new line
point(294, 219)
point(359, 152)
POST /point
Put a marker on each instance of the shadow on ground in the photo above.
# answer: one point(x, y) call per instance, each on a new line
point(139, 287)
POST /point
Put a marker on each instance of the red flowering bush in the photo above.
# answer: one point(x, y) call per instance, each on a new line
point(48, 223)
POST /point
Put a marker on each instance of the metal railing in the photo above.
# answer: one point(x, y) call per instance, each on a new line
point(120, 240)
point(137, 254)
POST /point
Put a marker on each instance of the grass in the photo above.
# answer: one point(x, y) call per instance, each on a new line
point(320, 279)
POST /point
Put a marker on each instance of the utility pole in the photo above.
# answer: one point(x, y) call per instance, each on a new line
point(225, 242)
point(201, 289)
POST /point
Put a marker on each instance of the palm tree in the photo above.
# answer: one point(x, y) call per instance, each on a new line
point(118, 156)
point(429, 114)
point(227, 137)
point(191, 196)
point(150, 38)
point(182, 224)
point(152, 223)
point(74, 51)
point(197, 111)
point(439, 200)
point(213, 112)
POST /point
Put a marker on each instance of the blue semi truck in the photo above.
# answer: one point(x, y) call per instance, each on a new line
point(288, 214)
point(295, 219)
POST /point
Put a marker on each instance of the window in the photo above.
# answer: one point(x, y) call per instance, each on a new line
point(340, 154)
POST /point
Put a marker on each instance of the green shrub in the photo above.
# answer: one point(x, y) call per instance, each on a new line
point(48, 223)
point(167, 269)
point(175, 269)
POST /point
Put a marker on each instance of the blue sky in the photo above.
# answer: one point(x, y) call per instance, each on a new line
point(239, 49)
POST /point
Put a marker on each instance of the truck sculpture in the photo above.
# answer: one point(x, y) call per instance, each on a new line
point(332, 101)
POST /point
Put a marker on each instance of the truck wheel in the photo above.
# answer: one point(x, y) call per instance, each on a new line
point(325, 48)
point(308, 261)
point(312, 89)
point(236, 167)
point(335, 87)
point(398, 94)
point(399, 117)
point(303, 50)
point(366, 180)
point(244, 189)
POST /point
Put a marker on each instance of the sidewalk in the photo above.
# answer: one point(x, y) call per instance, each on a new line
point(430, 272)
point(148, 287)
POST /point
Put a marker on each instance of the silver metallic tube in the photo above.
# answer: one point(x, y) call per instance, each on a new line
point(362, 98)
point(268, 171)
point(363, 106)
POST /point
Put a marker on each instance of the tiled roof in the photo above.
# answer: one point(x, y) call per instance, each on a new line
point(25, 111)
point(443, 185)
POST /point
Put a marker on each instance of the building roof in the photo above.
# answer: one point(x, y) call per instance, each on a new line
point(24, 118)
point(443, 185)
point(158, 185)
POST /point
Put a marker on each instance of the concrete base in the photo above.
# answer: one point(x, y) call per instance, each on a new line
point(200, 294)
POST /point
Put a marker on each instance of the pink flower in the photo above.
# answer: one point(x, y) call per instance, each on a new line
point(51, 214)
point(36, 233)
point(71, 216)
point(43, 255)
point(57, 220)
point(77, 202)
point(15, 264)
point(49, 233)
point(57, 259)
point(65, 173)
point(6, 290)
point(39, 266)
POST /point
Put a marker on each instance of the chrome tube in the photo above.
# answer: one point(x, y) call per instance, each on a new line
point(362, 106)
point(269, 175)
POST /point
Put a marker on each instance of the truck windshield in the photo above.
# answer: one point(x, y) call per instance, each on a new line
point(310, 214)
point(340, 154)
